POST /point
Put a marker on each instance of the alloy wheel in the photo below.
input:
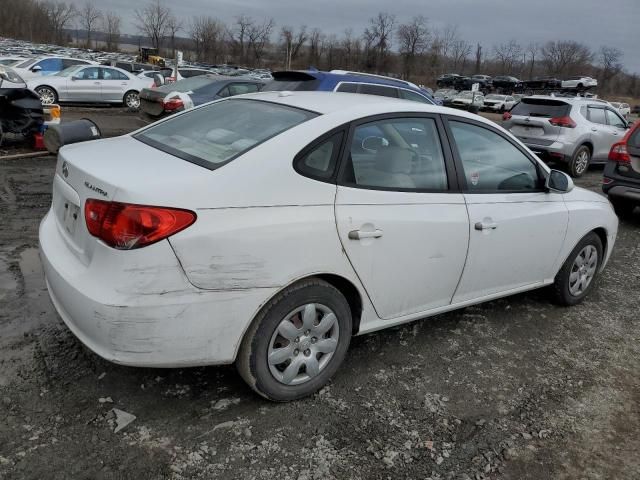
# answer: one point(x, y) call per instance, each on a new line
point(583, 270)
point(303, 344)
point(132, 100)
point(47, 96)
point(582, 162)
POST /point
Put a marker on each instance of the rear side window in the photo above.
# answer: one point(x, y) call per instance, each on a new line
point(380, 90)
point(491, 163)
point(596, 115)
point(215, 134)
point(347, 87)
point(240, 88)
point(320, 162)
point(413, 96)
point(535, 107)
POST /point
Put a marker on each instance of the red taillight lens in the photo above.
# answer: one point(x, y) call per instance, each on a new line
point(125, 226)
point(565, 121)
point(173, 104)
point(506, 116)
point(619, 153)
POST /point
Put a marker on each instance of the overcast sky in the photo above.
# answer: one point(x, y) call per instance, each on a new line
point(614, 23)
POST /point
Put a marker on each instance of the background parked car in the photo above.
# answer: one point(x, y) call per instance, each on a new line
point(580, 82)
point(447, 80)
point(573, 130)
point(20, 108)
point(90, 84)
point(11, 61)
point(623, 108)
point(539, 83)
point(507, 84)
point(468, 100)
point(36, 67)
point(194, 91)
point(498, 103)
point(621, 180)
point(348, 82)
point(445, 95)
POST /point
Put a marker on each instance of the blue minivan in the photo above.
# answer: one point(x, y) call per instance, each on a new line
point(348, 82)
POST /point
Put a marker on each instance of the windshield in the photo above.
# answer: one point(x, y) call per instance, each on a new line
point(217, 133)
point(541, 107)
point(495, 97)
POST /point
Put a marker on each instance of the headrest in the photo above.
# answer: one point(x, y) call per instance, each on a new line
point(394, 160)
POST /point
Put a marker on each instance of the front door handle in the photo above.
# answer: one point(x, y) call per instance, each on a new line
point(96, 83)
point(486, 226)
point(594, 129)
point(359, 234)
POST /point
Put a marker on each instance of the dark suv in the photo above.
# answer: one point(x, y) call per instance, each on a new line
point(507, 83)
point(621, 180)
point(448, 80)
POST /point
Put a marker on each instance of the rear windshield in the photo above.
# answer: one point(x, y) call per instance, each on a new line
point(188, 84)
point(215, 134)
point(540, 107)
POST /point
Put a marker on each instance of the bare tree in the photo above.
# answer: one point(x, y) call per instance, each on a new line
point(111, 27)
point(292, 43)
point(532, 51)
point(378, 36)
point(239, 37)
point(153, 21)
point(89, 17)
point(478, 58)
point(507, 54)
point(460, 51)
point(173, 27)
point(609, 61)
point(351, 49)
point(414, 39)
point(316, 39)
point(259, 36)
point(207, 34)
point(565, 57)
point(60, 15)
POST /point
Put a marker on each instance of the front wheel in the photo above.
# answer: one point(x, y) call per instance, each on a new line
point(48, 95)
point(576, 277)
point(297, 342)
point(580, 161)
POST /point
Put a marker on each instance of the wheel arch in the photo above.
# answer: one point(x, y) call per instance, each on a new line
point(601, 232)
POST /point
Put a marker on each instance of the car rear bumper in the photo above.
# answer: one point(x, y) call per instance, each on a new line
point(151, 317)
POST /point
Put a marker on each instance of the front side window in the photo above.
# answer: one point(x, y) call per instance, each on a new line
point(49, 65)
point(614, 119)
point(215, 134)
point(491, 163)
point(397, 154)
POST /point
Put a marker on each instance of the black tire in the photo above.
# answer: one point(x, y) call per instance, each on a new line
point(51, 91)
point(560, 287)
point(576, 166)
point(623, 208)
point(251, 361)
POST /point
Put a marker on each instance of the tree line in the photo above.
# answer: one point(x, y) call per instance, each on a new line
point(412, 49)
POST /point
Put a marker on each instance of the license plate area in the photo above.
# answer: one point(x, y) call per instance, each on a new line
point(70, 215)
point(527, 131)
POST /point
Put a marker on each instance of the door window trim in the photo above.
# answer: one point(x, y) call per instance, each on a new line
point(462, 181)
point(449, 164)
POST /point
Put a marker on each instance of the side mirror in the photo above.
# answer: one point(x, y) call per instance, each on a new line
point(374, 144)
point(558, 182)
point(74, 78)
point(36, 68)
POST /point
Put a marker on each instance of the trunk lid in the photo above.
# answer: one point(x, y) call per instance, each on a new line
point(119, 169)
point(151, 101)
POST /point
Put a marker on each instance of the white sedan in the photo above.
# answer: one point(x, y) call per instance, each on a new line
point(268, 229)
point(90, 84)
point(499, 103)
point(581, 82)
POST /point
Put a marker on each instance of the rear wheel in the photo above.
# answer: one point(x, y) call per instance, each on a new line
point(48, 96)
point(580, 161)
point(576, 277)
point(297, 342)
point(132, 100)
point(623, 208)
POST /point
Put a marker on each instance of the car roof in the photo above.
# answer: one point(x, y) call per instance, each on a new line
point(364, 105)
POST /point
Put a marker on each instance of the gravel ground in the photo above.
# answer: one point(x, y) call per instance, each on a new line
point(512, 389)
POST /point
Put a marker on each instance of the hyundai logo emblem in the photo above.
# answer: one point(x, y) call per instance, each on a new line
point(65, 169)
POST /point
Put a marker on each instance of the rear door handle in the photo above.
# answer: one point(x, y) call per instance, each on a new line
point(594, 129)
point(359, 235)
point(486, 226)
point(96, 83)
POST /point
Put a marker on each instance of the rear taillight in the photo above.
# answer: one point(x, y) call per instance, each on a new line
point(619, 154)
point(173, 104)
point(125, 226)
point(566, 122)
point(506, 116)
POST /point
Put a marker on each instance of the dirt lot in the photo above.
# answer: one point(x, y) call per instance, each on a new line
point(514, 389)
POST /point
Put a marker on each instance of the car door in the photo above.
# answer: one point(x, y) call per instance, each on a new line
point(516, 228)
point(600, 132)
point(617, 127)
point(401, 221)
point(114, 85)
point(84, 85)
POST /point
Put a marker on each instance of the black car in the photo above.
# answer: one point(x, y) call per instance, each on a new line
point(466, 83)
point(507, 83)
point(621, 180)
point(171, 98)
point(447, 80)
point(20, 108)
point(540, 83)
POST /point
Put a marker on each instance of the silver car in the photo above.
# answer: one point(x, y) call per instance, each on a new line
point(574, 130)
point(91, 84)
